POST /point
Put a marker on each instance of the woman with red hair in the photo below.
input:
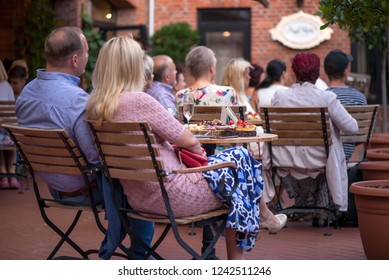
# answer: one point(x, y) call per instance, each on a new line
point(308, 189)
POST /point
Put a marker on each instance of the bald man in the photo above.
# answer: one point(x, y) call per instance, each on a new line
point(162, 88)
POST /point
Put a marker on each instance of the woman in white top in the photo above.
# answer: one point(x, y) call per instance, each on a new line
point(275, 80)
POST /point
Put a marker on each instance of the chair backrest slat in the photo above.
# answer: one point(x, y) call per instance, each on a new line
point(134, 175)
point(41, 141)
point(128, 150)
point(55, 168)
point(123, 138)
point(299, 124)
point(129, 162)
point(51, 160)
point(53, 151)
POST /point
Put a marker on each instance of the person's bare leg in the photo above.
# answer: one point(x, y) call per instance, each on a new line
point(269, 220)
point(10, 160)
point(263, 210)
point(233, 253)
point(3, 168)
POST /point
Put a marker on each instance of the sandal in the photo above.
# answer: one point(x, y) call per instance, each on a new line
point(4, 184)
point(15, 183)
point(274, 223)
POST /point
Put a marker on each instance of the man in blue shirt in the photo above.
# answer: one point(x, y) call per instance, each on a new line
point(161, 89)
point(337, 68)
point(54, 100)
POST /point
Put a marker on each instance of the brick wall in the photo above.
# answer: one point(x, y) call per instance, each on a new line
point(263, 19)
point(10, 13)
point(263, 48)
point(69, 11)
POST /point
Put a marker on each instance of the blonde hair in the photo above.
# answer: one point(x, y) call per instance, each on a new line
point(234, 76)
point(119, 67)
point(3, 73)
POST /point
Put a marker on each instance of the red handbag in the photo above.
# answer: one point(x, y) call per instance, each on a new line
point(190, 159)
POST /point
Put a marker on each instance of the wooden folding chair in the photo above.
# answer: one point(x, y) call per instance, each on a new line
point(128, 152)
point(53, 151)
point(366, 116)
point(301, 126)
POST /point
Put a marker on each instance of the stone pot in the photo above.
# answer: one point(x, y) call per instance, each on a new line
point(379, 140)
point(374, 170)
point(381, 154)
point(372, 202)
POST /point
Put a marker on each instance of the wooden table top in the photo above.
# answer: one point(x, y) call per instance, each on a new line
point(261, 137)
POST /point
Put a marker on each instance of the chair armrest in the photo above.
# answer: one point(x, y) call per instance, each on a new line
point(222, 183)
point(205, 168)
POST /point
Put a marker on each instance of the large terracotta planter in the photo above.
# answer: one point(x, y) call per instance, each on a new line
point(374, 170)
point(380, 154)
point(372, 202)
point(379, 140)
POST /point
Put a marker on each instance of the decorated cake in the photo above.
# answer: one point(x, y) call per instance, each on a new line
point(253, 116)
point(245, 129)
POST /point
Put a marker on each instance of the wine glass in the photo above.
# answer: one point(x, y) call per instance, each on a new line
point(188, 107)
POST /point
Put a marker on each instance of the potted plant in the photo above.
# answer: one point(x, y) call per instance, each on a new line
point(374, 170)
point(380, 154)
point(379, 140)
point(372, 202)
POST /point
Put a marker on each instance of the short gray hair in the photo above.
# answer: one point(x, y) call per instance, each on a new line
point(199, 60)
point(149, 66)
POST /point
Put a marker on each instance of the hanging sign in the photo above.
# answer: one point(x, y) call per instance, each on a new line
point(300, 31)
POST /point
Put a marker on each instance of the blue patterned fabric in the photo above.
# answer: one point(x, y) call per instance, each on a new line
point(244, 203)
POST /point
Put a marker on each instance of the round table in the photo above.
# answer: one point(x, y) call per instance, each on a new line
point(261, 137)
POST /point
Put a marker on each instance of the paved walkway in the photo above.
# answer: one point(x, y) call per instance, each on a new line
point(24, 236)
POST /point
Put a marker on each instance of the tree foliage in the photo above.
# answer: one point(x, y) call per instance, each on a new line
point(31, 31)
point(174, 40)
point(95, 42)
point(366, 20)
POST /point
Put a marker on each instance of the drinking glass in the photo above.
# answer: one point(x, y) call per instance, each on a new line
point(188, 107)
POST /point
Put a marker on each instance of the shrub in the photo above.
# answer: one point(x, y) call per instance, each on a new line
point(174, 40)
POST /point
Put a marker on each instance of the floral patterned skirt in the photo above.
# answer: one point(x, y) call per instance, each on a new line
point(243, 206)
